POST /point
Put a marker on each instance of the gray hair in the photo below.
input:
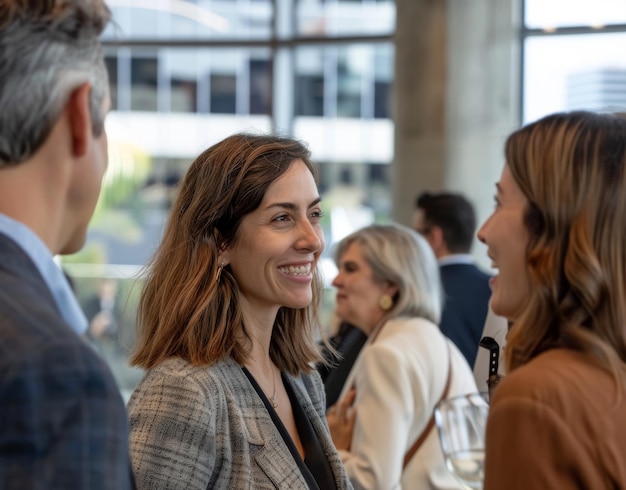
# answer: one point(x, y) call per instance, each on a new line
point(47, 49)
point(399, 255)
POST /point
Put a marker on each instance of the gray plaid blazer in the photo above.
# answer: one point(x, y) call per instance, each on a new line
point(206, 427)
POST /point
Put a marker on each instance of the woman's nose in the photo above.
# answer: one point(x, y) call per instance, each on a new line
point(481, 233)
point(337, 280)
point(311, 237)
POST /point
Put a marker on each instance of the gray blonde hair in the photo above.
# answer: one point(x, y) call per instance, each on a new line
point(402, 257)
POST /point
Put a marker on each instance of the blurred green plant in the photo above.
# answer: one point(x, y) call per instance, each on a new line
point(126, 174)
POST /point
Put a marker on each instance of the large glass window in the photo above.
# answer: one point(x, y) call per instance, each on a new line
point(552, 14)
point(573, 56)
point(571, 72)
point(345, 17)
point(184, 19)
point(350, 81)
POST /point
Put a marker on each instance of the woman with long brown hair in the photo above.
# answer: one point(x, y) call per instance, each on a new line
point(226, 323)
point(558, 239)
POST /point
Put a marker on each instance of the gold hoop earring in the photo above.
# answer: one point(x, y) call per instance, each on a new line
point(385, 302)
point(218, 274)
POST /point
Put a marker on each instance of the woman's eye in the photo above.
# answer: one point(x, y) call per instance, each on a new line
point(282, 217)
point(317, 213)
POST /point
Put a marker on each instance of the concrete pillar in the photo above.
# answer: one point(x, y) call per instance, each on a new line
point(418, 102)
point(483, 97)
point(456, 98)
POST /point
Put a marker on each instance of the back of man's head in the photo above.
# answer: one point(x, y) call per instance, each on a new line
point(47, 49)
point(453, 214)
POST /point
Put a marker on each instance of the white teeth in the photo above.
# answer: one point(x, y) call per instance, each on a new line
point(300, 270)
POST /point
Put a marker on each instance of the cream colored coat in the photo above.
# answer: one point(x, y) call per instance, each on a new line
point(399, 378)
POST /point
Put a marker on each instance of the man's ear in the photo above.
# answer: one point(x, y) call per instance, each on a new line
point(436, 238)
point(79, 118)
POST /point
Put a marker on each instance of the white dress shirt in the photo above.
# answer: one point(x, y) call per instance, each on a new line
point(51, 273)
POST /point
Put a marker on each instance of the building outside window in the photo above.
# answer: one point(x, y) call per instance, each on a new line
point(573, 56)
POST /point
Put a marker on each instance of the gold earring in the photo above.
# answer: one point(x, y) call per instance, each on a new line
point(385, 302)
point(218, 274)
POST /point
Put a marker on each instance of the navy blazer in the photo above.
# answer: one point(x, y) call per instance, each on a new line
point(348, 342)
point(467, 296)
point(63, 423)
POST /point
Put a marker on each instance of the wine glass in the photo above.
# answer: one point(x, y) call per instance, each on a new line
point(461, 423)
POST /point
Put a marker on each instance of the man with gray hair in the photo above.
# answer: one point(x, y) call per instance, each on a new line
point(62, 420)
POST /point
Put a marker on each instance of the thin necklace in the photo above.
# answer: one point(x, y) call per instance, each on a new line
point(273, 397)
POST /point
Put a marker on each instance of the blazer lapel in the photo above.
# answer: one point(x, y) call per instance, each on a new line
point(282, 471)
point(321, 429)
point(17, 263)
point(272, 456)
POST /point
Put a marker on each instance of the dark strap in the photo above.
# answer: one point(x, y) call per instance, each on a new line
point(420, 440)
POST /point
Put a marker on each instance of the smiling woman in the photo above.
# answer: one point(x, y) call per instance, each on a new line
point(226, 322)
point(506, 234)
point(557, 236)
point(278, 245)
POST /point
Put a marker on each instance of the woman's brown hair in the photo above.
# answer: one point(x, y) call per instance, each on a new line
point(572, 169)
point(189, 306)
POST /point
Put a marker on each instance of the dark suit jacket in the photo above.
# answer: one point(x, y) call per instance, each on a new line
point(467, 295)
point(63, 423)
point(348, 343)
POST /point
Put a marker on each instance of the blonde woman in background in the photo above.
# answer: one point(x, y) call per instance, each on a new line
point(388, 285)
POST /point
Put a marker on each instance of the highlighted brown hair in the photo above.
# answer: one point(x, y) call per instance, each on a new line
point(185, 310)
point(572, 169)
